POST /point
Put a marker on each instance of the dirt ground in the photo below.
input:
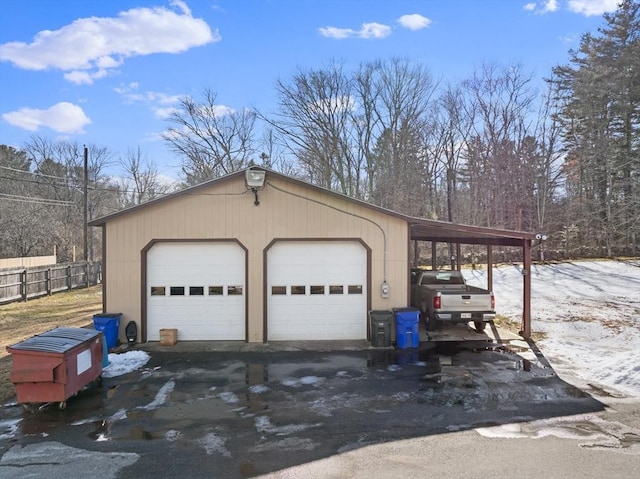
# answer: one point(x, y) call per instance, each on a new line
point(22, 320)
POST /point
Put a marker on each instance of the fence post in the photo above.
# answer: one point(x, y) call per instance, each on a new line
point(23, 284)
point(86, 276)
point(69, 280)
point(47, 277)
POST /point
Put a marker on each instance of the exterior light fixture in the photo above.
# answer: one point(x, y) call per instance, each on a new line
point(541, 237)
point(254, 179)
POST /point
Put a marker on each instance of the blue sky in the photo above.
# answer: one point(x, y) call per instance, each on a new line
point(109, 72)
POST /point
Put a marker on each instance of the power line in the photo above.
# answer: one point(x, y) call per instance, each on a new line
point(92, 188)
point(35, 200)
point(24, 180)
point(32, 173)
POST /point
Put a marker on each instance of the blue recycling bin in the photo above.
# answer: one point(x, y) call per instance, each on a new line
point(109, 324)
point(407, 321)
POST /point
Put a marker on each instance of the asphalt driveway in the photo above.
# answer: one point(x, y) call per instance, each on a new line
point(196, 412)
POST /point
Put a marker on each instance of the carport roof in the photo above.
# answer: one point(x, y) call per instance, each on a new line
point(442, 231)
point(421, 229)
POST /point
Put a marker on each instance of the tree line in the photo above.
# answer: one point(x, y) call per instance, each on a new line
point(494, 149)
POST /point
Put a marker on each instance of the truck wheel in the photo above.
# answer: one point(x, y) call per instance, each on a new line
point(480, 325)
point(432, 324)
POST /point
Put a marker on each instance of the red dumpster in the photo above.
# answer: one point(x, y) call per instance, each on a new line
point(55, 365)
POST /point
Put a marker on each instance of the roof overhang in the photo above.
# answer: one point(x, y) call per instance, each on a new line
point(441, 231)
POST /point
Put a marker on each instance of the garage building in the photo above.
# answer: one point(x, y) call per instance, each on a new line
point(258, 256)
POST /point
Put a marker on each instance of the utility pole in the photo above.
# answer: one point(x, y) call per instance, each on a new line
point(86, 204)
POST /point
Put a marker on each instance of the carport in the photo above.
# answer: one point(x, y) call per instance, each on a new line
point(455, 234)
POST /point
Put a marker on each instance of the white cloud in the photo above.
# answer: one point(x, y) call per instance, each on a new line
point(62, 117)
point(336, 33)
point(593, 7)
point(91, 48)
point(374, 30)
point(414, 21)
point(546, 6)
point(160, 103)
point(218, 110)
point(164, 113)
point(367, 31)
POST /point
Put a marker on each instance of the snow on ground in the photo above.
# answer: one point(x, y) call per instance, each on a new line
point(588, 313)
point(124, 363)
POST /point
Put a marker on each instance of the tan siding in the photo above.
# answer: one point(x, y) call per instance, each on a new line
point(279, 215)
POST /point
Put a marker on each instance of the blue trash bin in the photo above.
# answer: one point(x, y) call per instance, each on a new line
point(109, 324)
point(407, 321)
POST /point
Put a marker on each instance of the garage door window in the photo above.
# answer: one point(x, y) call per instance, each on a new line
point(176, 290)
point(278, 290)
point(316, 289)
point(234, 290)
point(196, 290)
point(216, 290)
point(158, 290)
point(355, 289)
point(336, 289)
point(298, 290)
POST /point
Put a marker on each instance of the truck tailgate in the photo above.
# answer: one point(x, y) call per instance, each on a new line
point(461, 302)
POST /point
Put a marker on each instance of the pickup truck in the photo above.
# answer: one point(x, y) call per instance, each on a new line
point(444, 296)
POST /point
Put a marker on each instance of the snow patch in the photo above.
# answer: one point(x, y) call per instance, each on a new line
point(213, 443)
point(305, 380)
point(264, 425)
point(172, 435)
point(124, 363)
point(589, 313)
point(161, 396)
point(593, 431)
point(229, 397)
point(258, 389)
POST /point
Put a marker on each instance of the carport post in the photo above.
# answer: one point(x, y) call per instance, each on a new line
point(526, 300)
point(458, 253)
point(490, 267)
point(434, 252)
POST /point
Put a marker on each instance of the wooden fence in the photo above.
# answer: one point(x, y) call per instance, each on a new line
point(27, 283)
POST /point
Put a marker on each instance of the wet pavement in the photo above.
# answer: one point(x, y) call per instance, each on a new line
point(194, 412)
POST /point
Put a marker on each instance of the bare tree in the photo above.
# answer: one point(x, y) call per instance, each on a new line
point(548, 168)
point(141, 180)
point(454, 126)
point(213, 140)
point(314, 122)
point(59, 169)
point(397, 117)
point(499, 168)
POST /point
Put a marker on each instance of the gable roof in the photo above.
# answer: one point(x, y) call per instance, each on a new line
point(421, 229)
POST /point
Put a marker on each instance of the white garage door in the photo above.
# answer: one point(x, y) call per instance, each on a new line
point(316, 290)
point(197, 288)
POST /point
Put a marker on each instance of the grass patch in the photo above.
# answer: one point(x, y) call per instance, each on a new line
point(22, 320)
point(516, 326)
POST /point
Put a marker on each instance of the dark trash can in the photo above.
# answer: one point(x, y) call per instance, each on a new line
point(109, 324)
point(380, 328)
point(407, 321)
